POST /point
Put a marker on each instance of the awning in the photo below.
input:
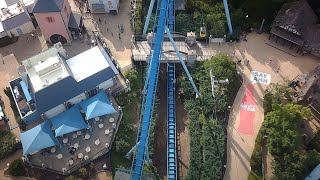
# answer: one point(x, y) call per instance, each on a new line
point(68, 121)
point(97, 105)
point(98, 8)
point(25, 91)
point(37, 138)
point(75, 21)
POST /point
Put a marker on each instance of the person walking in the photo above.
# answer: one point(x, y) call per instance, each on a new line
point(99, 20)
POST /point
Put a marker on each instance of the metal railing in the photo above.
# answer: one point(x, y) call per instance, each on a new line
point(90, 159)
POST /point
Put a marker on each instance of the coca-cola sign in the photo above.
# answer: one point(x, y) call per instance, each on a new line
point(248, 107)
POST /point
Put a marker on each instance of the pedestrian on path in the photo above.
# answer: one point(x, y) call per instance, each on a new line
point(99, 20)
point(270, 61)
point(111, 33)
point(246, 62)
point(107, 29)
point(278, 69)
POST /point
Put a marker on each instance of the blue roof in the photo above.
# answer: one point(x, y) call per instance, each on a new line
point(68, 121)
point(67, 88)
point(25, 91)
point(43, 6)
point(97, 105)
point(37, 138)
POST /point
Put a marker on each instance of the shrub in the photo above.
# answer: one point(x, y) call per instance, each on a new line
point(16, 168)
point(8, 143)
point(122, 146)
point(256, 157)
point(82, 172)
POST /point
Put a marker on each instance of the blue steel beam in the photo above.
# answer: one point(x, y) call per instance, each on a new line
point(150, 91)
point(171, 16)
point(182, 62)
point(146, 24)
point(226, 9)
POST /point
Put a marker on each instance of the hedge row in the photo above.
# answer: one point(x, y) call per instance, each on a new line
point(138, 25)
point(206, 127)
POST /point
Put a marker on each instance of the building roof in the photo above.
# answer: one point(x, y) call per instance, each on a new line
point(15, 21)
point(87, 63)
point(37, 138)
point(68, 121)
point(68, 87)
point(298, 13)
point(44, 6)
point(74, 20)
point(97, 105)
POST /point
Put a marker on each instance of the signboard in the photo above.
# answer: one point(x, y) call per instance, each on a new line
point(260, 77)
point(247, 111)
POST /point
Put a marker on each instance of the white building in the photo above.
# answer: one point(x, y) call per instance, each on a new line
point(14, 18)
point(104, 6)
point(53, 82)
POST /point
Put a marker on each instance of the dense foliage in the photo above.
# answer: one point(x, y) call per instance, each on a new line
point(16, 168)
point(206, 127)
point(283, 138)
point(281, 127)
point(8, 143)
point(130, 103)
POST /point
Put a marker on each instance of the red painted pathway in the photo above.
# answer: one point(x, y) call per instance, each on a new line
point(247, 111)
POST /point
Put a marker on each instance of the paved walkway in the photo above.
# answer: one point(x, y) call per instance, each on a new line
point(239, 145)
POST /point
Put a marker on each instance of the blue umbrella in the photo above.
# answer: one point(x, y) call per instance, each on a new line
point(68, 121)
point(37, 138)
point(97, 105)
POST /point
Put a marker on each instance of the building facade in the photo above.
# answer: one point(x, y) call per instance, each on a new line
point(15, 19)
point(104, 6)
point(49, 83)
point(56, 20)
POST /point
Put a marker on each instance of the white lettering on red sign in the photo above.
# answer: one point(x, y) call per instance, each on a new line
point(248, 107)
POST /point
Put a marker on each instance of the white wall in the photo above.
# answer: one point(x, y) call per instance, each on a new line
point(108, 5)
point(55, 111)
point(77, 99)
point(105, 85)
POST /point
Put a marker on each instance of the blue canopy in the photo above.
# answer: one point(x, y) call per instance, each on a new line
point(37, 138)
point(68, 121)
point(97, 105)
point(25, 91)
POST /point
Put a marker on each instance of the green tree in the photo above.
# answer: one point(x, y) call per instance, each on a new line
point(16, 168)
point(122, 146)
point(281, 127)
point(8, 143)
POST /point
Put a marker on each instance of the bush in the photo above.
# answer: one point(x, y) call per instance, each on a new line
point(8, 143)
point(206, 128)
point(122, 146)
point(256, 157)
point(83, 172)
point(16, 168)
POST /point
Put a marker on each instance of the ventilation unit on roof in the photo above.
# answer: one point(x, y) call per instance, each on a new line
point(4, 11)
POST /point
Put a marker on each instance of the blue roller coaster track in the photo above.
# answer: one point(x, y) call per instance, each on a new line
point(164, 22)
